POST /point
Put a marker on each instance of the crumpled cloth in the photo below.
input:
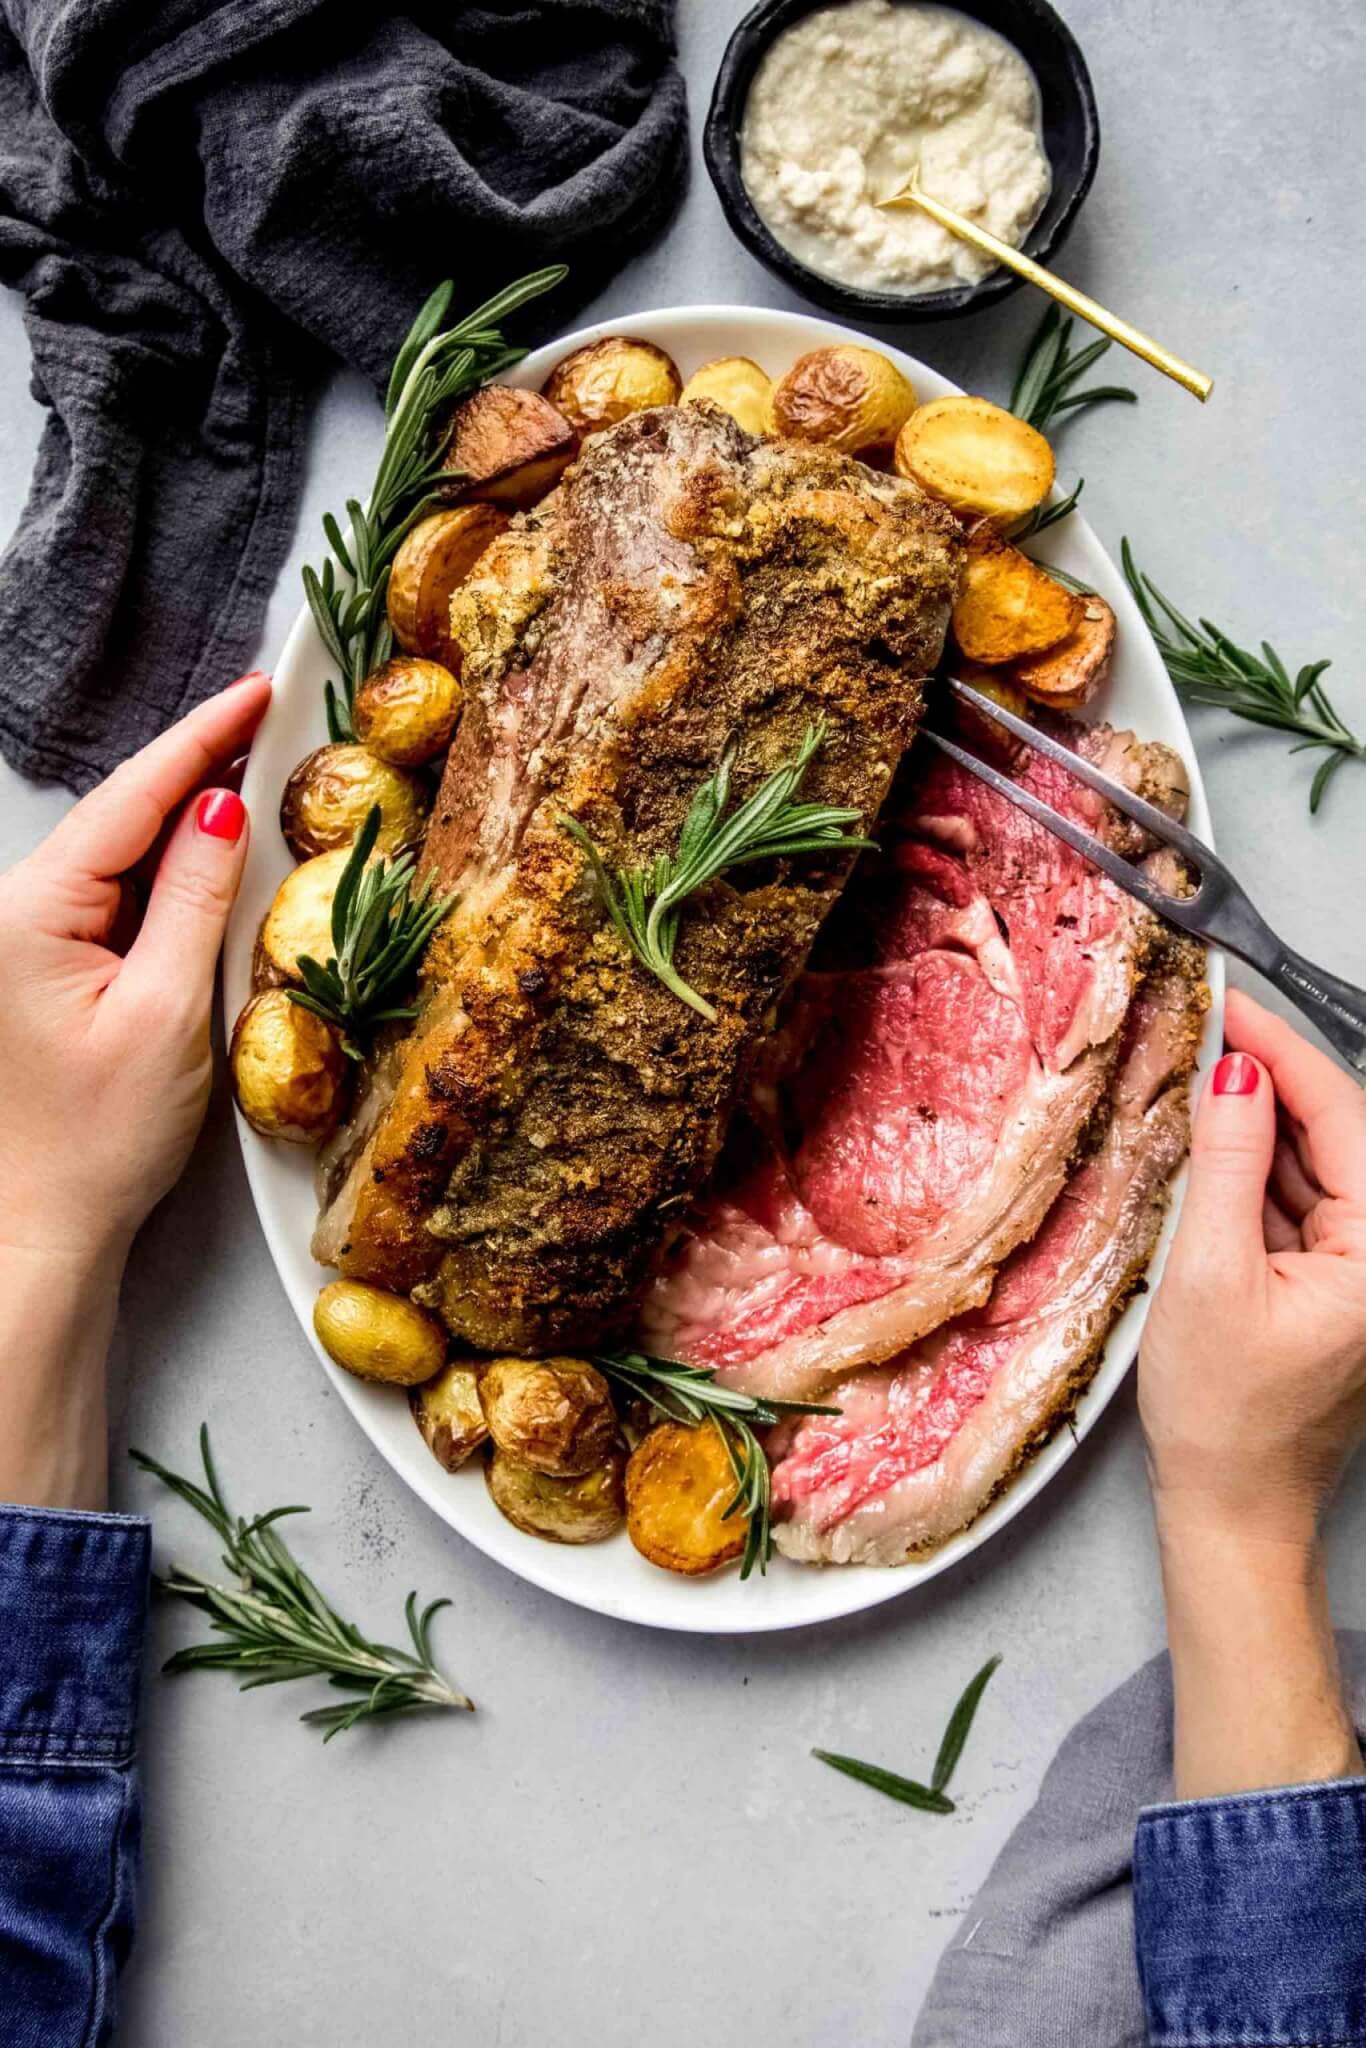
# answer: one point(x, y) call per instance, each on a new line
point(200, 200)
point(1045, 1954)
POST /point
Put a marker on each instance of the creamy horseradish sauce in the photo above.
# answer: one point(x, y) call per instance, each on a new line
point(844, 105)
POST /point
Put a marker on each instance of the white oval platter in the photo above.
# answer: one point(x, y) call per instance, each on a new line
point(610, 1577)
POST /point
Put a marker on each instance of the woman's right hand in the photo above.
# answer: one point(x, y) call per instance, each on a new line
point(1252, 1390)
point(1252, 1385)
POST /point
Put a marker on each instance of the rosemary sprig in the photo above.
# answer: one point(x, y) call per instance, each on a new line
point(1047, 382)
point(277, 1626)
point(689, 1393)
point(931, 1798)
point(434, 367)
point(1045, 388)
point(644, 903)
point(1210, 668)
point(381, 925)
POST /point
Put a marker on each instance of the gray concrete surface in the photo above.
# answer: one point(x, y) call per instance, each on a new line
point(629, 1844)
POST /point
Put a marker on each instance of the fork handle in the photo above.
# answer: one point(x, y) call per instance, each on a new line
point(1335, 1005)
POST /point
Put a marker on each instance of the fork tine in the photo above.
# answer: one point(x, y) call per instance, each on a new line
point(1176, 909)
point(1162, 827)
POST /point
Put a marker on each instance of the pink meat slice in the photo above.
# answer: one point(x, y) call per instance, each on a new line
point(917, 1113)
point(922, 1445)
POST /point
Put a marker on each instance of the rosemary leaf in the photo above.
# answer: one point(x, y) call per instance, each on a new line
point(960, 1723)
point(644, 904)
point(434, 367)
point(381, 926)
point(1049, 373)
point(907, 1790)
point(277, 1626)
point(690, 1394)
point(931, 1798)
point(1210, 668)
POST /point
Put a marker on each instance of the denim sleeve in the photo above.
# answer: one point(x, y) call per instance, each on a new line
point(73, 1608)
point(1250, 1917)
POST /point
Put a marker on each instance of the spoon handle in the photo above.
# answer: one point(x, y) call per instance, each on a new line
point(1066, 294)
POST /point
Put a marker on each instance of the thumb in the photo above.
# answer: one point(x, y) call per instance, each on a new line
point(1231, 1151)
point(193, 891)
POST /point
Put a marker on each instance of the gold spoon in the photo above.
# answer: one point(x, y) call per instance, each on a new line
point(1066, 294)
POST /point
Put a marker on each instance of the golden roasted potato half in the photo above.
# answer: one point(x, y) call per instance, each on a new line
point(433, 562)
point(976, 457)
point(679, 1483)
point(289, 1073)
point(583, 1509)
point(449, 1414)
point(329, 795)
point(1069, 674)
point(553, 1414)
point(1009, 606)
point(406, 710)
point(298, 921)
point(378, 1336)
point(606, 380)
point(845, 397)
point(738, 386)
point(507, 447)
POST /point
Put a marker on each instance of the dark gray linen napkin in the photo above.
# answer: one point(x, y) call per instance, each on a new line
point(1045, 1955)
point(201, 200)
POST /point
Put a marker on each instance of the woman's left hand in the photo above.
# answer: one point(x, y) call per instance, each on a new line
point(104, 1061)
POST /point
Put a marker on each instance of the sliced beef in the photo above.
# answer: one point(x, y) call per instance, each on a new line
point(917, 1114)
point(923, 1444)
point(519, 1158)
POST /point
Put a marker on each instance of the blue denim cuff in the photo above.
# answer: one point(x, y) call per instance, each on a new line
point(1250, 1918)
point(73, 1614)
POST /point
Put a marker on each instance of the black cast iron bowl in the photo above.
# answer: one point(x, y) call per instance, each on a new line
point(1071, 137)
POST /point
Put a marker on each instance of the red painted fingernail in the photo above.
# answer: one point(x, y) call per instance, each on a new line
point(222, 814)
point(1235, 1074)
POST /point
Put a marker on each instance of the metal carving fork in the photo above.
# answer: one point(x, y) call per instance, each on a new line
point(1219, 910)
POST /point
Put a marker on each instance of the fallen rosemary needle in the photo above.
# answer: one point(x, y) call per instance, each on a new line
point(644, 903)
point(381, 926)
point(689, 1393)
point(931, 1798)
point(277, 1626)
point(1210, 668)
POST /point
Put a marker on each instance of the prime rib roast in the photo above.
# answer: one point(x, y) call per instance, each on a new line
point(517, 1159)
point(919, 1161)
point(953, 1159)
point(918, 1111)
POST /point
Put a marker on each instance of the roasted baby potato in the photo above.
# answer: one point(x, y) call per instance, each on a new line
point(1068, 675)
point(434, 561)
point(1009, 606)
point(450, 1415)
point(378, 1336)
point(583, 1509)
point(405, 710)
point(606, 380)
point(329, 795)
point(976, 457)
point(976, 727)
point(553, 1414)
point(846, 397)
point(289, 1072)
point(679, 1483)
point(738, 386)
point(299, 921)
point(507, 447)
